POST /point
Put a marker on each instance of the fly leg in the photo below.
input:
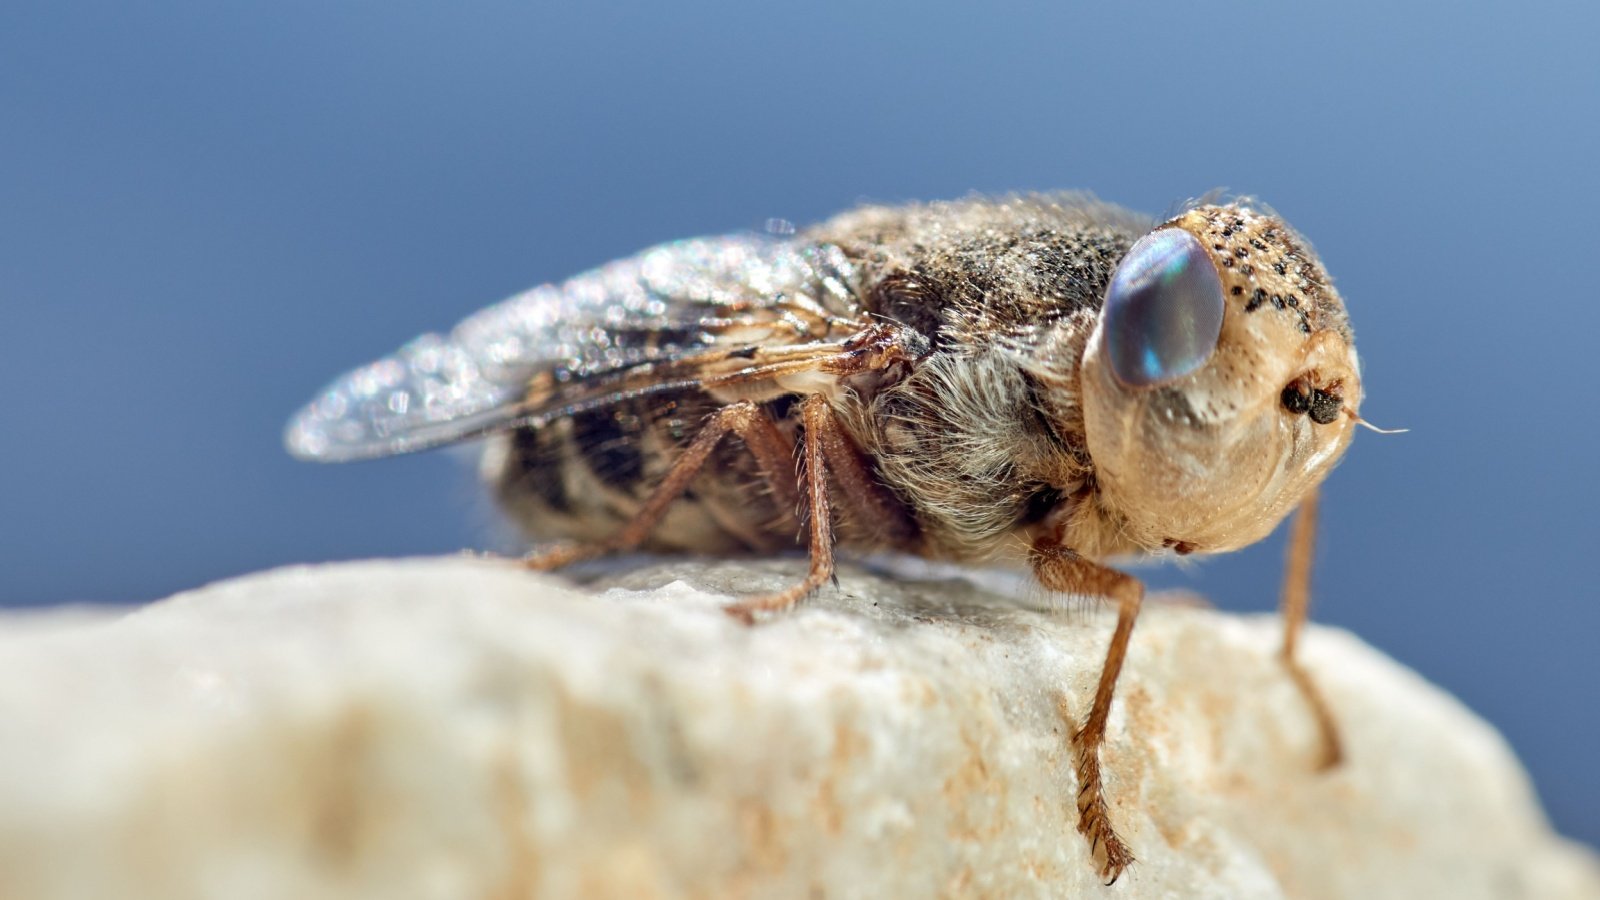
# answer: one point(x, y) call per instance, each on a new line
point(870, 509)
point(816, 418)
point(1060, 569)
point(1295, 607)
point(773, 454)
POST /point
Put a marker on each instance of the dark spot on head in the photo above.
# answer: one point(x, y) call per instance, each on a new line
point(1182, 548)
point(1257, 297)
point(1242, 253)
point(1237, 290)
point(1295, 398)
point(1325, 407)
point(1278, 267)
point(1277, 302)
point(1257, 244)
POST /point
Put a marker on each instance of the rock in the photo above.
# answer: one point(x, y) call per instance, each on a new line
point(457, 728)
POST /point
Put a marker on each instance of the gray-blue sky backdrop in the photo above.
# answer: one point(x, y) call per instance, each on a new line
point(208, 210)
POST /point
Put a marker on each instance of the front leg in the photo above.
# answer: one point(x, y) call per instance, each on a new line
point(1295, 607)
point(1060, 569)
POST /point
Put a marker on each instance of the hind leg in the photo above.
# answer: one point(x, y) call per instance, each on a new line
point(773, 454)
point(817, 418)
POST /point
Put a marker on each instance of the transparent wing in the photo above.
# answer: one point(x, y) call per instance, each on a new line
point(663, 304)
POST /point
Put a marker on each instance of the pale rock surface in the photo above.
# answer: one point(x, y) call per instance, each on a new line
point(455, 728)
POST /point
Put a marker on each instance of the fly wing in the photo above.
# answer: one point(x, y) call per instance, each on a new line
point(668, 303)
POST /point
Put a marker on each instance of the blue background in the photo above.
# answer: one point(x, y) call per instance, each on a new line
point(208, 210)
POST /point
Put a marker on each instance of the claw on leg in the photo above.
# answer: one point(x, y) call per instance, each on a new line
point(1094, 819)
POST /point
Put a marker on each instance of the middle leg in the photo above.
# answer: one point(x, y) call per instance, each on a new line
point(814, 413)
point(870, 509)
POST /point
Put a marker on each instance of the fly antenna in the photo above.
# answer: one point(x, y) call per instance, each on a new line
point(1371, 427)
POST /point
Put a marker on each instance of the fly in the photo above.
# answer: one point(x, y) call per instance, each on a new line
point(954, 379)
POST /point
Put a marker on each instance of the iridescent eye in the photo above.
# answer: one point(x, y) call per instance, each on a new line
point(1163, 309)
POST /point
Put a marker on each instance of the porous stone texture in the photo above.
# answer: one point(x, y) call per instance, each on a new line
point(457, 728)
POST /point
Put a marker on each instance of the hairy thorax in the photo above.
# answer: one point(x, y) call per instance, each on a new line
point(979, 443)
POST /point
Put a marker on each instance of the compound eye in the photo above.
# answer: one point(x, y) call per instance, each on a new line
point(1163, 310)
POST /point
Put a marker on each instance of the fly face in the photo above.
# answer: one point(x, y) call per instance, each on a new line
point(1221, 382)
